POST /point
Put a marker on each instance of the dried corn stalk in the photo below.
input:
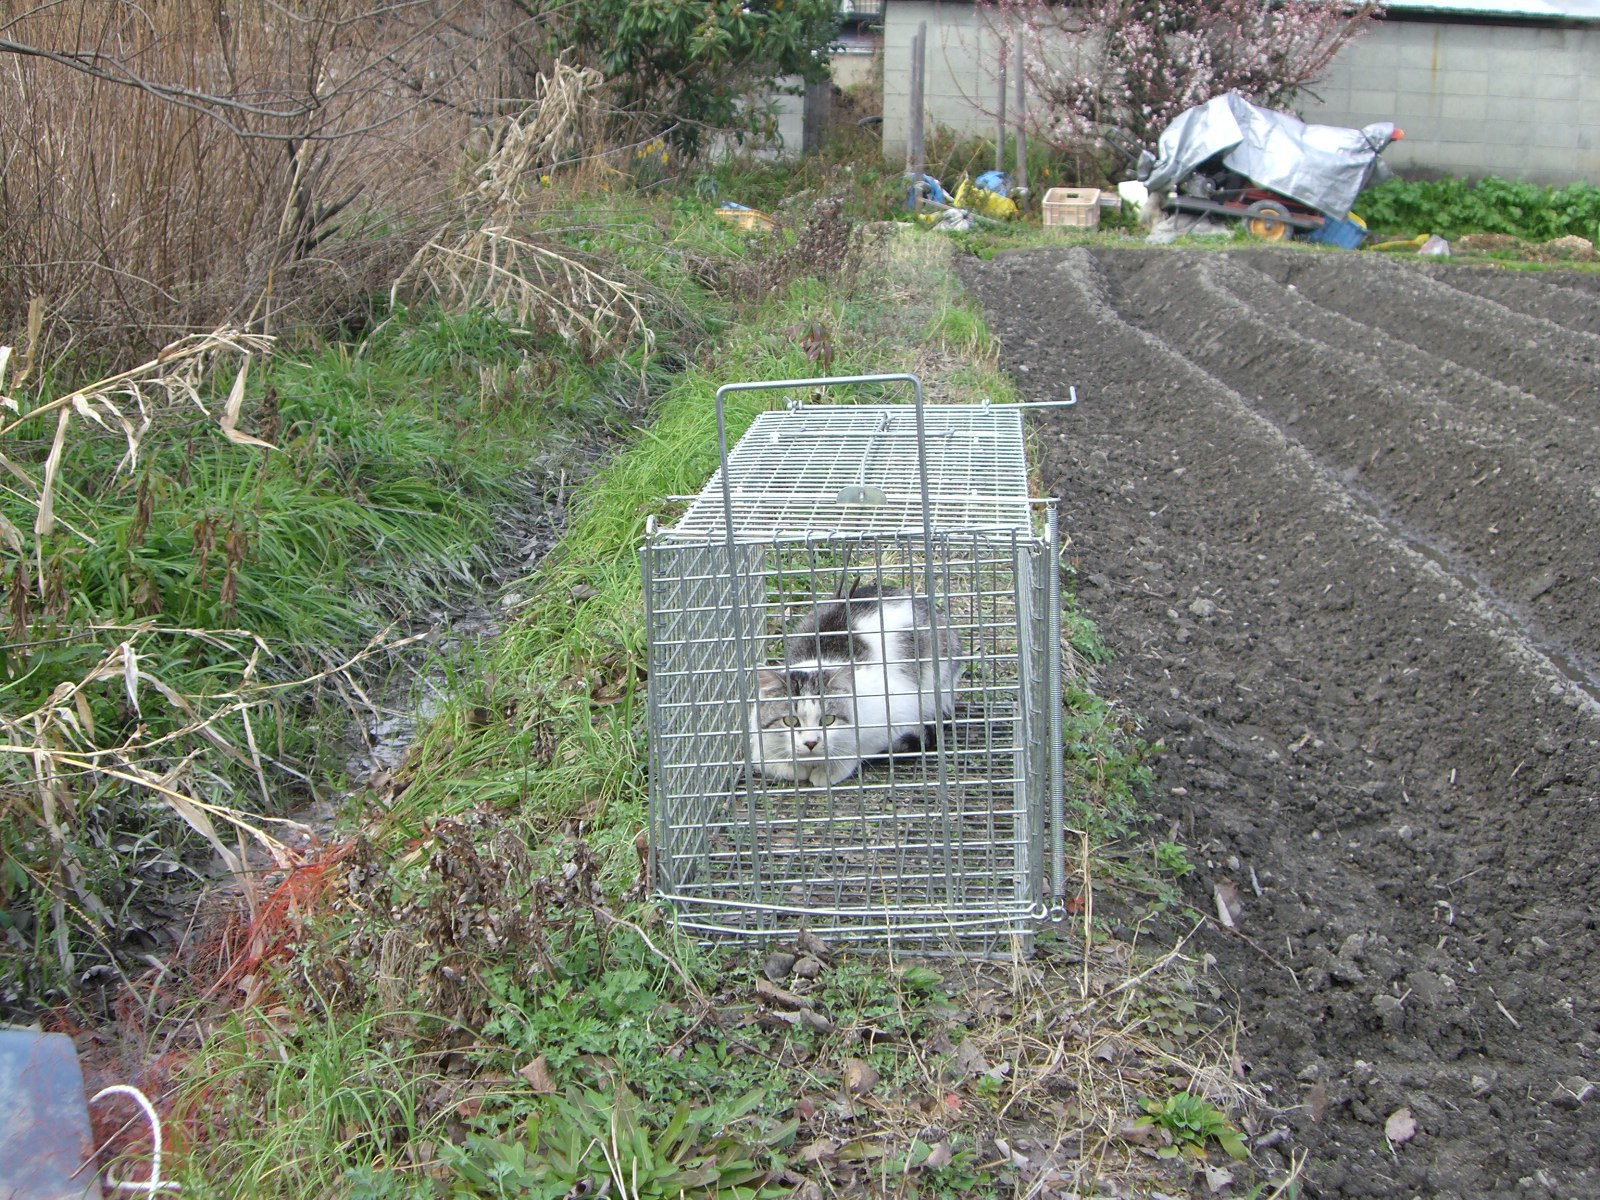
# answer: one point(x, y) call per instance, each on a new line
point(533, 286)
point(562, 116)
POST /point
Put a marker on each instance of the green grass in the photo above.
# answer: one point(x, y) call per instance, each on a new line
point(378, 502)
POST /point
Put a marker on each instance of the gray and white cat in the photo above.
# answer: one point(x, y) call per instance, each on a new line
point(857, 681)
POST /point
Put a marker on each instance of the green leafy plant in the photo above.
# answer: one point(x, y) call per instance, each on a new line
point(1172, 858)
point(588, 1141)
point(688, 67)
point(1453, 207)
point(1191, 1122)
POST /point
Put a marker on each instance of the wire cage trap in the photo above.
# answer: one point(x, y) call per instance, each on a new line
point(855, 689)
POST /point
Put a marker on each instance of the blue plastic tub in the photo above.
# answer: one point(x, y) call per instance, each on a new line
point(1347, 234)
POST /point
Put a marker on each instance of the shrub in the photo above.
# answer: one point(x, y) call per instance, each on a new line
point(688, 68)
point(175, 166)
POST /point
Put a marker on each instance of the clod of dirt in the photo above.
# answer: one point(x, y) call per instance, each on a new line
point(811, 944)
point(1400, 1127)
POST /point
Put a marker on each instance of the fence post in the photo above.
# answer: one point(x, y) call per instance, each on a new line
point(1022, 125)
point(914, 145)
point(1000, 115)
point(818, 106)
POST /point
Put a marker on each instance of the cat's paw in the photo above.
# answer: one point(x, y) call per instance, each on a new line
point(831, 773)
point(776, 768)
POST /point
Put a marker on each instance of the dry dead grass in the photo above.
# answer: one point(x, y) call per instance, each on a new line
point(193, 167)
point(129, 402)
point(488, 256)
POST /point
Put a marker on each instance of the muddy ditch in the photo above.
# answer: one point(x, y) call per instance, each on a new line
point(1338, 516)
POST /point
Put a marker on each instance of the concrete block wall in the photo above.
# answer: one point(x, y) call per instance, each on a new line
point(1517, 100)
point(1510, 100)
point(959, 88)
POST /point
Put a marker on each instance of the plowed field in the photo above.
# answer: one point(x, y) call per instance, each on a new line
point(1338, 516)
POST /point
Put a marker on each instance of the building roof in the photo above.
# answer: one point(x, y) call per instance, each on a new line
point(1543, 10)
point(1515, 11)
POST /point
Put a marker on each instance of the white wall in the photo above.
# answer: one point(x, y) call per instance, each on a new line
point(1520, 101)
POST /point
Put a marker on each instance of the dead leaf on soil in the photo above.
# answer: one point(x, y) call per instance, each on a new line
point(970, 1059)
point(819, 1150)
point(1218, 1178)
point(815, 1020)
point(1317, 1100)
point(537, 1074)
point(1140, 1135)
point(1401, 1127)
point(1016, 1157)
point(859, 1078)
point(939, 1156)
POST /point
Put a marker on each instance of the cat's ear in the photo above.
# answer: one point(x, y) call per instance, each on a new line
point(772, 683)
point(838, 679)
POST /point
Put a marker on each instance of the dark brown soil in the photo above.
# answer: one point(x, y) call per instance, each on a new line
point(1338, 517)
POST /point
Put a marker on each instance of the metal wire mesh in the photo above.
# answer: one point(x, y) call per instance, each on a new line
point(939, 844)
point(789, 469)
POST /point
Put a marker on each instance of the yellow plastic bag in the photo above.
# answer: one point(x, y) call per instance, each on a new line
point(985, 203)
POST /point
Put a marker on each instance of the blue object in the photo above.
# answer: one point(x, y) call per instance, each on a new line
point(997, 182)
point(44, 1121)
point(1345, 234)
point(930, 189)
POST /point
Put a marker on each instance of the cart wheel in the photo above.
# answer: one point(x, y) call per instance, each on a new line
point(1264, 220)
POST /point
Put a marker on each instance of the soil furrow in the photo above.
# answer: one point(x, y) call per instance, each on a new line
point(1413, 787)
point(1556, 431)
point(1484, 500)
point(1568, 298)
point(1531, 353)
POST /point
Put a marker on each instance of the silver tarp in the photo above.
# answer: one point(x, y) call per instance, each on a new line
point(1322, 166)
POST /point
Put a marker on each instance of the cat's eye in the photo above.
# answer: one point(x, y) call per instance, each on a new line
point(829, 719)
point(791, 721)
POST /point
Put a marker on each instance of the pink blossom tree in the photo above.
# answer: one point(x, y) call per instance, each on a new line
point(1110, 70)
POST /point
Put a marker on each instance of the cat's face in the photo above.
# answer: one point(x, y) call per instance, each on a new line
point(802, 718)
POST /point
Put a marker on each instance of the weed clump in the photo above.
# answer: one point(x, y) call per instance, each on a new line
point(826, 246)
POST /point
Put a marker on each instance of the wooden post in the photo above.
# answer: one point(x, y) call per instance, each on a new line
point(818, 106)
point(1022, 124)
point(1000, 115)
point(915, 151)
